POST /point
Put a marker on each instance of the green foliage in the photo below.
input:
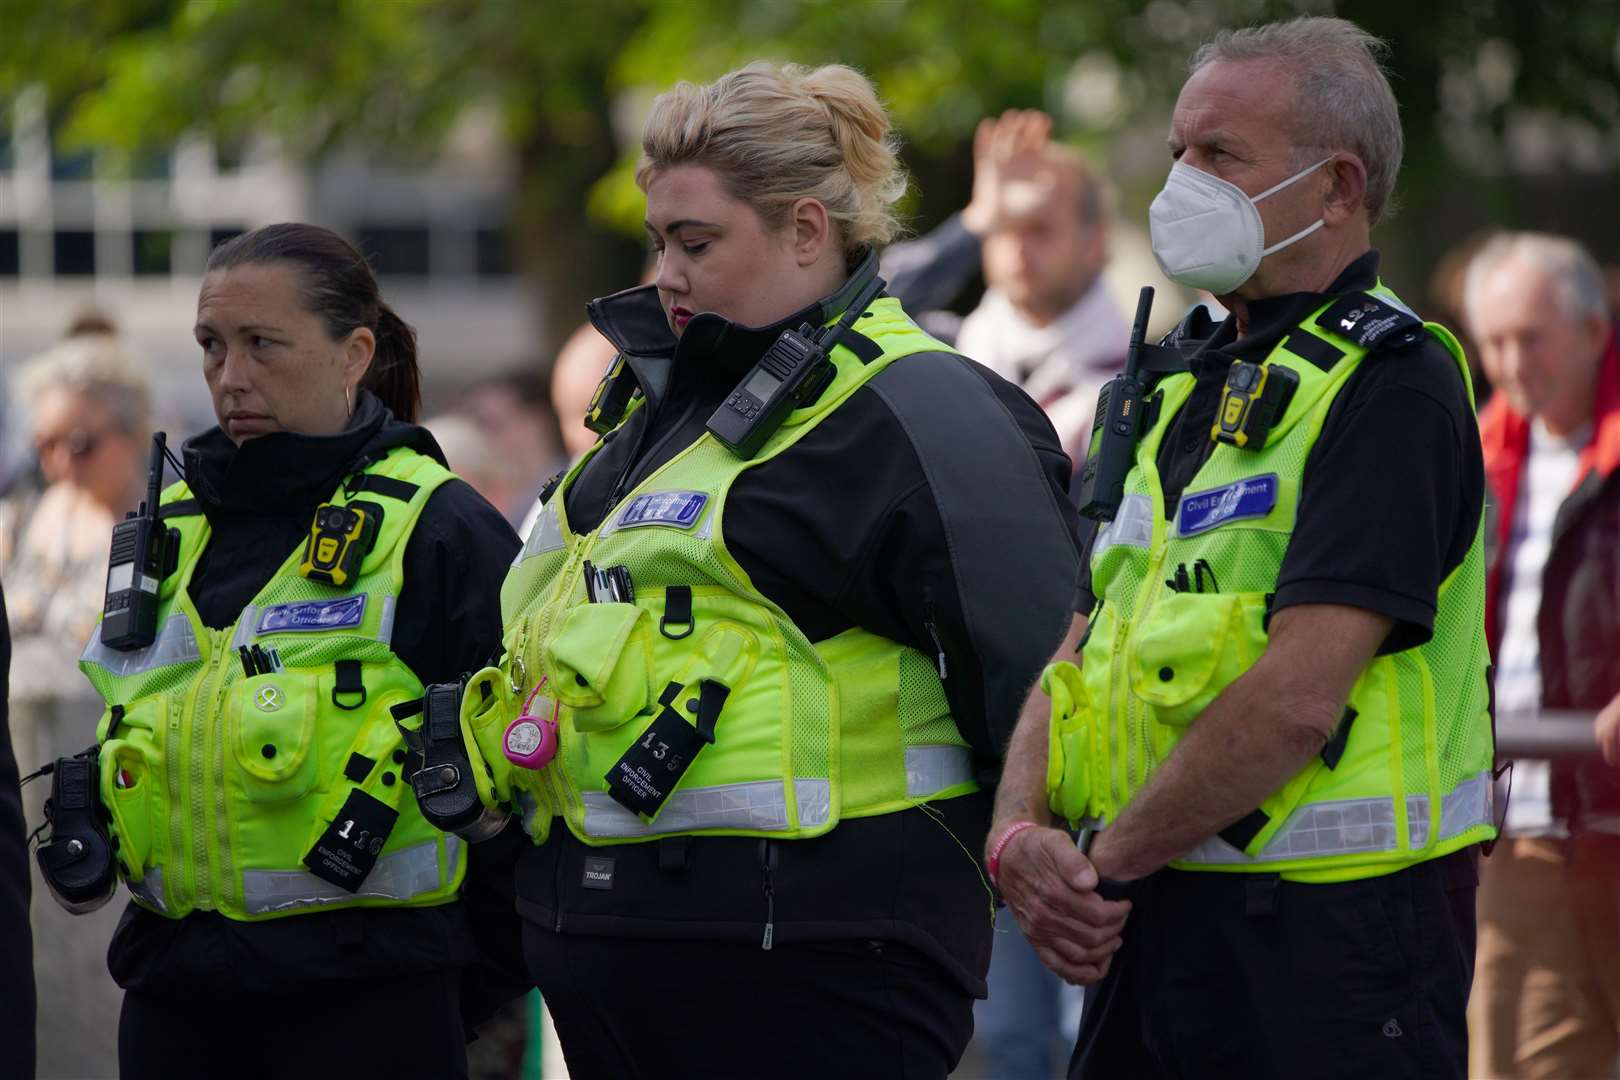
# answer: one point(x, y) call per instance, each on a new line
point(570, 78)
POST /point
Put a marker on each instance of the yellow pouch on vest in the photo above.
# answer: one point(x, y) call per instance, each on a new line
point(128, 776)
point(484, 717)
point(1193, 646)
point(599, 662)
point(273, 730)
point(1068, 768)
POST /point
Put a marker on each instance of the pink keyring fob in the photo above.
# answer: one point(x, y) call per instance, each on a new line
point(530, 740)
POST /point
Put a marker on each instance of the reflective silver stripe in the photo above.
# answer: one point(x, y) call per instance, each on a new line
point(932, 769)
point(1132, 526)
point(174, 644)
point(245, 624)
point(404, 875)
point(1355, 826)
point(1467, 805)
point(149, 889)
point(544, 536)
point(385, 623)
point(760, 805)
point(528, 806)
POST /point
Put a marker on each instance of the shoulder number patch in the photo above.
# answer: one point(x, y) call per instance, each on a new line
point(1202, 511)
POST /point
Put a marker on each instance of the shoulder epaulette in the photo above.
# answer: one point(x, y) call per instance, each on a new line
point(1370, 322)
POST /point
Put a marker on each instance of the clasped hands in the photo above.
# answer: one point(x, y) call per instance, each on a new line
point(1051, 887)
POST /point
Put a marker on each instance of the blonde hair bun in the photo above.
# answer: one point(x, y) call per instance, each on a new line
point(779, 133)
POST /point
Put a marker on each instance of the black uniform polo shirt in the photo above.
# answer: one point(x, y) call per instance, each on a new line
point(1394, 486)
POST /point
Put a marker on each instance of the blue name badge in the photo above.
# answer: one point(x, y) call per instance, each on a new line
point(1248, 498)
point(313, 615)
point(677, 509)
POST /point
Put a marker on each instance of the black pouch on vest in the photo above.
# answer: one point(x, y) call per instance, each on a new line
point(643, 779)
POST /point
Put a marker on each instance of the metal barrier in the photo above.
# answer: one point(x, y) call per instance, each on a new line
point(1554, 733)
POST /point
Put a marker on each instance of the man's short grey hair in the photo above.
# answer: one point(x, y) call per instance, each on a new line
point(1576, 278)
point(96, 366)
point(1343, 100)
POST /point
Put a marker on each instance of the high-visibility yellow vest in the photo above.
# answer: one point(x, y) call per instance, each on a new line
point(220, 784)
point(810, 732)
point(1407, 777)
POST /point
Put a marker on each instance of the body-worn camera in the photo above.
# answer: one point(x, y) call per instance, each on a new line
point(339, 539)
point(445, 787)
point(77, 860)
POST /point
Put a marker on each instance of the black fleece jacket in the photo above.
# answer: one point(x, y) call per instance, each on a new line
point(259, 500)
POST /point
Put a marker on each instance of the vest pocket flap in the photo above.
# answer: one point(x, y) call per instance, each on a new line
point(275, 727)
point(599, 664)
point(129, 772)
point(1192, 646)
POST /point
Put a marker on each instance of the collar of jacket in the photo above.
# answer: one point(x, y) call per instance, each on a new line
point(1272, 317)
point(713, 348)
point(287, 473)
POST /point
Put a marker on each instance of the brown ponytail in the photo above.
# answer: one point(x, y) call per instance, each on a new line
point(339, 287)
point(393, 375)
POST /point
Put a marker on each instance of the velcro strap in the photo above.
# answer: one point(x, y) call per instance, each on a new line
point(441, 712)
point(348, 684)
point(671, 692)
point(180, 508)
point(1334, 750)
point(1309, 347)
point(1240, 832)
point(711, 699)
point(403, 490)
point(406, 709)
point(676, 622)
point(358, 768)
point(861, 345)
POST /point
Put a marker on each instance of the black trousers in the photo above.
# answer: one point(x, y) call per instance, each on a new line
point(1245, 975)
point(640, 1009)
point(403, 1028)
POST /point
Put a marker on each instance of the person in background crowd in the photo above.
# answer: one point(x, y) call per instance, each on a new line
point(472, 454)
point(1045, 322)
point(514, 413)
point(1278, 724)
point(1547, 997)
point(88, 407)
point(581, 362)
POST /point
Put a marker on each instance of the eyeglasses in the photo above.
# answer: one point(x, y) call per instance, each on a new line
point(78, 442)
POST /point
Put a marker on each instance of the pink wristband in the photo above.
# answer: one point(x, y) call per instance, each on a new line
point(993, 863)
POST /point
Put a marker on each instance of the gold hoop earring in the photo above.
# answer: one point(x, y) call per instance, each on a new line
point(348, 400)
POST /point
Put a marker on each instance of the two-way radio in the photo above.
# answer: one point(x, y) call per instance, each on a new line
point(793, 372)
point(1117, 425)
point(144, 552)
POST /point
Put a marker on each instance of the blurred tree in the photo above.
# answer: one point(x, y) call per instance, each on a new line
point(569, 80)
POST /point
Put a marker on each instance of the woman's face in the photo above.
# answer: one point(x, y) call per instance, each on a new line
point(717, 254)
point(80, 442)
point(269, 362)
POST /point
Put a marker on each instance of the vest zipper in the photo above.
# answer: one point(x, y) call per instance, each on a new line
point(177, 791)
point(933, 633)
point(767, 861)
point(201, 728)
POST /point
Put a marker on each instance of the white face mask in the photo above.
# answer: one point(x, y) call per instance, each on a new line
point(1207, 234)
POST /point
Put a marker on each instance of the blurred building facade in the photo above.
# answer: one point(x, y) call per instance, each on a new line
point(132, 245)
